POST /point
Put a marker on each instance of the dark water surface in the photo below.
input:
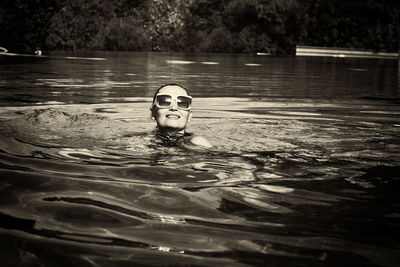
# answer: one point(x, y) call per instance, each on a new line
point(305, 169)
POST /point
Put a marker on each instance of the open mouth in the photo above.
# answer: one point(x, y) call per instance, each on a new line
point(173, 116)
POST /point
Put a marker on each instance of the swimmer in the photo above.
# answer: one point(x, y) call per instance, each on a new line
point(172, 110)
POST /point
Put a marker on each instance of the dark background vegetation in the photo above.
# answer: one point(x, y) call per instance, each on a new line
point(240, 26)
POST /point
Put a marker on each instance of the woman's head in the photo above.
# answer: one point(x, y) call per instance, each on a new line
point(171, 108)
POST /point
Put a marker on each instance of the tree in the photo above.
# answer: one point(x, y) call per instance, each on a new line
point(126, 34)
point(355, 24)
point(250, 26)
point(24, 23)
point(79, 23)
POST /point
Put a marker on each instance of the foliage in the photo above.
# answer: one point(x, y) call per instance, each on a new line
point(356, 23)
point(125, 34)
point(79, 23)
point(24, 23)
point(164, 24)
point(249, 26)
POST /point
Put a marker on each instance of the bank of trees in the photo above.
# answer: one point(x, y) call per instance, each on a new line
point(353, 23)
point(249, 26)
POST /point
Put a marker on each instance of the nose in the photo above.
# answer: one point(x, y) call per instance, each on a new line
point(174, 105)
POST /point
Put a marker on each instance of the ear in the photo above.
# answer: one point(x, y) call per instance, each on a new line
point(152, 114)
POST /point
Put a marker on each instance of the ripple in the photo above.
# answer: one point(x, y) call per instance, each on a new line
point(253, 64)
point(181, 62)
point(296, 113)
point(86, 58)
point(209, 63)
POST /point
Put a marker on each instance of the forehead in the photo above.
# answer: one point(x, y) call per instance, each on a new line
point(173, 90)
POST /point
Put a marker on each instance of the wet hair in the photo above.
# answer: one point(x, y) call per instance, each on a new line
point(168, 84)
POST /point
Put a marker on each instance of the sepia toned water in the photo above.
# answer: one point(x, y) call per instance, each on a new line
point(305, 168)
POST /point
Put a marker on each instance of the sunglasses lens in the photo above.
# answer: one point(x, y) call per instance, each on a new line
point(184, 102)
point(164, 100)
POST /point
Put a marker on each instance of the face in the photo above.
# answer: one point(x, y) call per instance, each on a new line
point(172, 118)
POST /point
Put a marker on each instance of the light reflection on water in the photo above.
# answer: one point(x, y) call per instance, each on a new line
point(305, 168)
point(138, 74)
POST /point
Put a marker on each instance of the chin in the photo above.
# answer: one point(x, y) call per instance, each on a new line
point(173, 125)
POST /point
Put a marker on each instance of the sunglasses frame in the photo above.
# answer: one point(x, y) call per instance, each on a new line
point(172, 98)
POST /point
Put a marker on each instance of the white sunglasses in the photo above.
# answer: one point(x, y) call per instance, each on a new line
point(183, 102)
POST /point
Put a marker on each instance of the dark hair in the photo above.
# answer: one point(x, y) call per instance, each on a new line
point(165, 85)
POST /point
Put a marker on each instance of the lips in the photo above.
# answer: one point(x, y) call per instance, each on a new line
point(173, 117)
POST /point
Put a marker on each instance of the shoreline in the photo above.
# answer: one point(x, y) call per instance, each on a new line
point(342, 52)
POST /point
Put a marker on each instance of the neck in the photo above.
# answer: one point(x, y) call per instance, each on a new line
point(171, 131)
point(169, 138)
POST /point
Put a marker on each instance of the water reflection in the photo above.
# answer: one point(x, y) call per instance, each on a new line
point(304, 170)
point(138, 74)
point(396, 92)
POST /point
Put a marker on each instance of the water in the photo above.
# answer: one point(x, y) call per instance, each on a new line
point(304, 170)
